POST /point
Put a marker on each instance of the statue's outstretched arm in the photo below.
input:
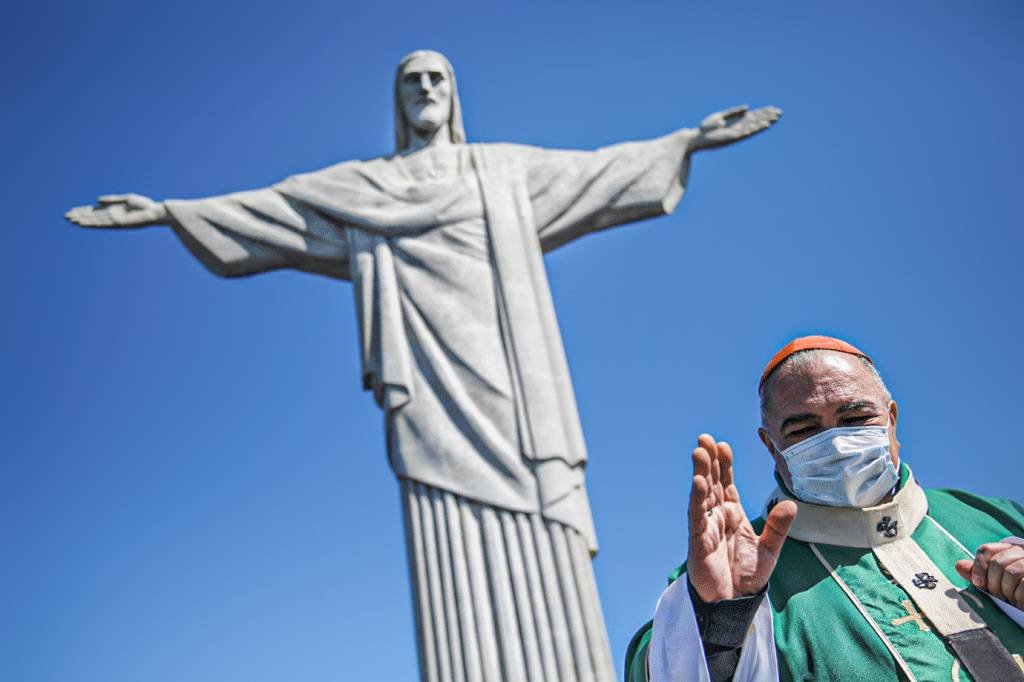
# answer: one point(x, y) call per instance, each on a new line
point(120, 211)
point(576, 192)
point(732, 125)
point(237, 234)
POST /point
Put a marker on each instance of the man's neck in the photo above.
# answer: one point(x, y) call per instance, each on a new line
point(885, 522)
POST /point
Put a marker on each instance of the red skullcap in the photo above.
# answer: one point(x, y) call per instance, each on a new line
point(809, 343)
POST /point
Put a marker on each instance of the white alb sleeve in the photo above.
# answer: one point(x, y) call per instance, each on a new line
point(676, 653)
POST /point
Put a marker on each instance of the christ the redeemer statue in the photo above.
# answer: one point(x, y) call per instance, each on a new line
point(443, 243)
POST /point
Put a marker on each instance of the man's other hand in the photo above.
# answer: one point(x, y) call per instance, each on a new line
point(998, 568)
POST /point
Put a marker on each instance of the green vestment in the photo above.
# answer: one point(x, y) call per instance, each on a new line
point(838, 615)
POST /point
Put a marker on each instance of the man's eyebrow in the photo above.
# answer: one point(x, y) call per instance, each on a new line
point(858, 405)
point(789, 421)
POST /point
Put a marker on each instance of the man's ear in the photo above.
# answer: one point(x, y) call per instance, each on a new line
point(770, 446)
point(894, 442)
point(780, 464)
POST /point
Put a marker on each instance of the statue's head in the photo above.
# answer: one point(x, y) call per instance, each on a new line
point(426, 98)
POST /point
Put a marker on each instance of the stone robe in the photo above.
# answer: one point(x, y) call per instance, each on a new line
point(460, 344)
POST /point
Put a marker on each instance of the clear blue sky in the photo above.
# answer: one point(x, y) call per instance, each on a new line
point(192, 484)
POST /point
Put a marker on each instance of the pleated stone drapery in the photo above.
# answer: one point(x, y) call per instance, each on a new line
point(500, 595)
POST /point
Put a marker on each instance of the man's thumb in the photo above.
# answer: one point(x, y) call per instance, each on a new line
point(776, 526)
point(963, 567)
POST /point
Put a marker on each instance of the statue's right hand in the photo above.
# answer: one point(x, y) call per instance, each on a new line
point(721, 119)
point(119, 211)
point(727, 559)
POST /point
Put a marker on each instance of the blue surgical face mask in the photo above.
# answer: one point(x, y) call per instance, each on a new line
point(842, 467)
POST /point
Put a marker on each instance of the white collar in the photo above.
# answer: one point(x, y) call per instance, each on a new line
point(853, 526)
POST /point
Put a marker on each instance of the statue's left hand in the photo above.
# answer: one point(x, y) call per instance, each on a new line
point(119, 211)
point(734, 124)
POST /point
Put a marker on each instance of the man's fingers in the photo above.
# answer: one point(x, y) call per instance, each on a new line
point(705, 441)
point(963, 567)
point(724, 462)
point(726, 475)
point(994, 578)
point(701, 463)
point(1013, 577)
point(997, 567)
point(776, 527)
point(702, 468)
point(698, 495)
point(982, 558)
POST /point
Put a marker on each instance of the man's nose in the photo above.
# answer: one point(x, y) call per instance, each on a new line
point(426, 85)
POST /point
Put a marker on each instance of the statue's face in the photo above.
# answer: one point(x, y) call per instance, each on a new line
point(426, 93)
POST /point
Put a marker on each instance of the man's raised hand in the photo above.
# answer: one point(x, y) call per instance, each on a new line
point(119, 211)
point(727, 559)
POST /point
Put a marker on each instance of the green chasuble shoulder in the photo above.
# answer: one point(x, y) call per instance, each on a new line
point(839, 615)
point(636, 654)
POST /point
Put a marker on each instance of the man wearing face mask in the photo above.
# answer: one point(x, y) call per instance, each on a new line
point(853, 571)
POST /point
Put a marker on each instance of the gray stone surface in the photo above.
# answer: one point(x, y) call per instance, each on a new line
point(443, 244)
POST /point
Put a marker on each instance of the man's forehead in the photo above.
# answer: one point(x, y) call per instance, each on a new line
point(823, 378)
point(424, 63)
